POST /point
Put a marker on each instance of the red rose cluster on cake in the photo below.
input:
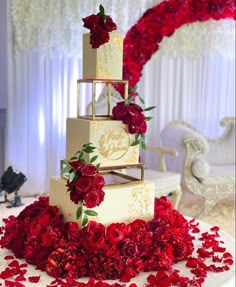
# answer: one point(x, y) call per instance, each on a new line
point(86, 185)
point(99, 25)
point(132, 115)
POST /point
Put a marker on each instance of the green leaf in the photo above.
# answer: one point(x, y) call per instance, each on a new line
point(148, 118)
point(79, 212)
point(65, 169)
point(81, 156)
point(142, 136)
point(74, 158)
point(89, 149)
point(143, 146)
point(141, 100)
point(128, 100)
point(93, 158)
point(149, 108)
point(90, 212)
point(101, 10)
point(98, 165)
point(72, 176)
point(135, 143)
point(85, 220)
point(137, 136)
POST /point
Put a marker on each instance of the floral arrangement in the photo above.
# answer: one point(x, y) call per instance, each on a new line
point(99, 25)
point(132, 114)
point(142, 40)
point(118, 251)
point(84, 183)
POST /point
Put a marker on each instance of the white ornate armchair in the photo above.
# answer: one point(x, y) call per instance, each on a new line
point(207, 166)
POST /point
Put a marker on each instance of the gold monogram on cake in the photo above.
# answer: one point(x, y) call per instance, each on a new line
point(114, 143)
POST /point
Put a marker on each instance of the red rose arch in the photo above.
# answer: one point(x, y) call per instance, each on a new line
point(143, 39)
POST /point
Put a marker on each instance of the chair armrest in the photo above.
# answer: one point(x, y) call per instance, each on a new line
point(162, 151)
point(196, 148)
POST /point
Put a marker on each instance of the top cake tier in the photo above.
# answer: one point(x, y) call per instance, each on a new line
point(105, 62)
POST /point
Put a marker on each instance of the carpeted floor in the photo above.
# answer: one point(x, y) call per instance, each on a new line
point(222, 215)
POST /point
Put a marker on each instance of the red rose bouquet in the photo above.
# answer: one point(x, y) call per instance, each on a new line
point(84, 183)
point(99, 25)
point(132, 115)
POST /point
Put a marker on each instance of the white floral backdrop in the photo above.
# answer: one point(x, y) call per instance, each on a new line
point(190, 78)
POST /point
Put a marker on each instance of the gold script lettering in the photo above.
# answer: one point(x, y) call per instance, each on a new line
point(114, 143)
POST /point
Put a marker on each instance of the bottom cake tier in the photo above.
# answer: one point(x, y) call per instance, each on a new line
point(122, 202)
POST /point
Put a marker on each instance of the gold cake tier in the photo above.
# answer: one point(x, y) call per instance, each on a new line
point(111, 139)
point(105, 62)
point(122, 203)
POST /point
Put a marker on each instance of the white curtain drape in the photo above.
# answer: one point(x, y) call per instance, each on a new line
point(200, 91)
point(42, 94)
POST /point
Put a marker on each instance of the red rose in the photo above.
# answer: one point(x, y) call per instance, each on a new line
point(89, 170)
point(93, 234)
point(91, 21)
point(75, 196)
point(83, 184)
point(115, 233)
point(119, 112)
point(136, 227)
point(98, 37)
point(76, 164)
point(138, 125)
point(98, 182)
point(128, 248)
point(93, 198)
point(109, 25)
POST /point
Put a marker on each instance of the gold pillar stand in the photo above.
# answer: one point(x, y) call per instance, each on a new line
point(93, 83)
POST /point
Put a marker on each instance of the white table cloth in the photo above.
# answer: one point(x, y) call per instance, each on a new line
point(222, 279)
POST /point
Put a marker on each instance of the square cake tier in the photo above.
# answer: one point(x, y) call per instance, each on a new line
point(110, 137)
point(105, 62)
point(122, 202)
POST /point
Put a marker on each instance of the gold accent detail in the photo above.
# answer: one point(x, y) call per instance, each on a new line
point(114, 143)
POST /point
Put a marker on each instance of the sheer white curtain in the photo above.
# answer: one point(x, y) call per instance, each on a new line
point(42, 94)
point(200, 91)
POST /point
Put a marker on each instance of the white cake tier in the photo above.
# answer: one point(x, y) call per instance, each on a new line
point(110, 137)
point(105, 62)
point(122, 203)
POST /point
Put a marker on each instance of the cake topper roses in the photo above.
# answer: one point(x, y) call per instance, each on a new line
point(84, 183)
point(99, 25)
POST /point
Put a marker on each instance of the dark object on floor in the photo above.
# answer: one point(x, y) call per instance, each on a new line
point(12, 182)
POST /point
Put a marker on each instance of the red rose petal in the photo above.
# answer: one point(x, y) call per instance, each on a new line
point(227, 254)
point(34, 279)
point(229, 261)
point(14, 263)
point(215, 228)
point(20, 278)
